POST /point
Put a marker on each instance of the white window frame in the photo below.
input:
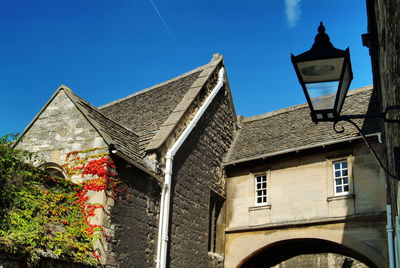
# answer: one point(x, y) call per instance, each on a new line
point(259, 187)
point(342, 175)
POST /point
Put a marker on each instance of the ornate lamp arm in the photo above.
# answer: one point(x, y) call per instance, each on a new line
point(348, 119)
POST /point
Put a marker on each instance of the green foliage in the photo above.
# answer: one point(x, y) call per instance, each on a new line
point(39, 214)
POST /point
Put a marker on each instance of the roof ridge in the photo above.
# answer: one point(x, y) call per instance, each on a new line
point(186, 101)
point(155, 86)
point(298, 106)
point(273, 113)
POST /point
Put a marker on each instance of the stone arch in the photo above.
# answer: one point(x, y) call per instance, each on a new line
point(54, 169)
point(321, 238)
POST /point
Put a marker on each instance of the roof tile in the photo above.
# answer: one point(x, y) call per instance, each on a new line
point(291, 128)
point(145, 112)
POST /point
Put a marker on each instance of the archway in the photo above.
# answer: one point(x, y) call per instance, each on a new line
point(280, 251)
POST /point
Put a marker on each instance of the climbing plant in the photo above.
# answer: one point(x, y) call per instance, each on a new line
point(44, 215)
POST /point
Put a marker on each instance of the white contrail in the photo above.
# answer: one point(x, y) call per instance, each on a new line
point(293, 12)
point(163, 22)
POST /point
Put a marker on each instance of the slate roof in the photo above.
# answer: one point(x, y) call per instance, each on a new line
point(291, 129)
point(145, 111)
point(124, 140)
point(154, 112)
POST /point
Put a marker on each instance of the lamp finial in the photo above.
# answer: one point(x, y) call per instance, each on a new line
point(322, 40)
point(321, 28)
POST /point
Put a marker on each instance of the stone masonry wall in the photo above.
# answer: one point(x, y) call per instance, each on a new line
point(197, 170)
point(384, 30)
point(60, 129)
point(135, 220)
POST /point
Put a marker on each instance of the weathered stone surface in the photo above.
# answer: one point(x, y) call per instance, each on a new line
point(196, 171)
point(215, 261)
point(384, 44)
point(60, 129)
point(135, 217)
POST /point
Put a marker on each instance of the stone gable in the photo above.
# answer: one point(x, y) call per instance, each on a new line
point(58, 129)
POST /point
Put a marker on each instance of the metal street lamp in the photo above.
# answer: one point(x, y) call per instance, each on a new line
point(325, 74)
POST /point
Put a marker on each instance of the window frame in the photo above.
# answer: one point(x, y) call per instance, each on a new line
point(341, 177)
point(330, 176)
point(266, 189)
point(49, 166)
point(216, 218)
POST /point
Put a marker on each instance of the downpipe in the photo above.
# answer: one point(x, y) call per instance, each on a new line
point(162, 244)
point(389, 229)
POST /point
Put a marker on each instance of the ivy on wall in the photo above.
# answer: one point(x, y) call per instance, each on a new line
point(44, 215)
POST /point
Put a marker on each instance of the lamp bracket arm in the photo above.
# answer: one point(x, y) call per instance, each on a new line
point(383, 115)
point(372, 150)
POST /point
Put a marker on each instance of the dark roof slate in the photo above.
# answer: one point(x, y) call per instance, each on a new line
point(124, 140)
point(291, 128)
point(145, 111)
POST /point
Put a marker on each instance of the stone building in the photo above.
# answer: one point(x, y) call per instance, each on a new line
point(167, 141)
point(299, 189)
point(383, 41)
point(208, 190)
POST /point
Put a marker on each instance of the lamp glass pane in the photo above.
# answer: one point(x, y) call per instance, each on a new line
point(345, 86)
point(321, 70)
point(322, 95)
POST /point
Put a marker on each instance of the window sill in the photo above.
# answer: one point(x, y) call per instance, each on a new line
point(215, 255)
point(261, 207)
point(340, 197)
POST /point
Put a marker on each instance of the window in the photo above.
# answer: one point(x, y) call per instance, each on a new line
point(341, 178)
point(215, 221)
point(261, 190)
point(54, 169)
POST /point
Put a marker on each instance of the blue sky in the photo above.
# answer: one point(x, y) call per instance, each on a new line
point(105, 50)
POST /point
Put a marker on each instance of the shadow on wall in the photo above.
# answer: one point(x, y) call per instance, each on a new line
point(307, 253)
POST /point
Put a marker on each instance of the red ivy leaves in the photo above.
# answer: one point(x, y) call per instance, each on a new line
point(99, 167)
point(102, 168)
point(71, 153)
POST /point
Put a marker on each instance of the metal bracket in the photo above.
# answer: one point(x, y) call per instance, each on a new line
point(341, 130)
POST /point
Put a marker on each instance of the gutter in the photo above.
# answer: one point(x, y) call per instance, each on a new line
point(297, 149)
point(162, 244)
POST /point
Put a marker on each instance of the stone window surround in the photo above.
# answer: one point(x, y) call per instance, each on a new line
point(341, 177)
point(332, 195)
point(216, 210)
point(255, 205)
point(56, 167)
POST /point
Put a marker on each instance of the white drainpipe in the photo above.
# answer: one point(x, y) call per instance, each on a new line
point(163, 227)
point(389, 229)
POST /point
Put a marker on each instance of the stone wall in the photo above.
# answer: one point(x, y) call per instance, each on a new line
point(61, 129)
point(300, 187)
point(58, 130)
point(197, 170)
point(300, 190)
point(135, 220)
point(361, 238)
point(384, 44)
